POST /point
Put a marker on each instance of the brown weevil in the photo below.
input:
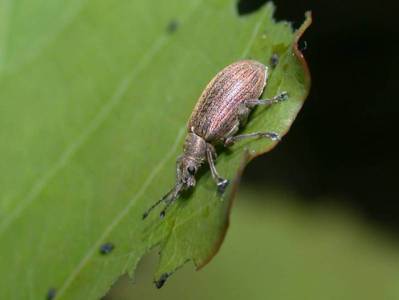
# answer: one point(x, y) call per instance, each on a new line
point(222, 108)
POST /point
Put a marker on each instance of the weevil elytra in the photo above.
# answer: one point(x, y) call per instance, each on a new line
point(222, 108)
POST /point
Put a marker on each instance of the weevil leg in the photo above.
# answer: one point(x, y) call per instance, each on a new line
point(251, 103)
point(270, 135)
point(221, 182)
point(233, 130)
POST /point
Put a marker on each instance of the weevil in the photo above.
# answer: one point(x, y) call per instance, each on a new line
point(221, 110)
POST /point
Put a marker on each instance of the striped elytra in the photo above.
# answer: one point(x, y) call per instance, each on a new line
point(217, 110)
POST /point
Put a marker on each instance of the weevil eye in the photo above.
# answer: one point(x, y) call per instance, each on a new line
point(191, 170)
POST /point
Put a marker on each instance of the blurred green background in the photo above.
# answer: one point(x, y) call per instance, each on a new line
point(278, 248)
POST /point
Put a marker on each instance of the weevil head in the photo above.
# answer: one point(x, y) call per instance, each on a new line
point(186, 170)
point(191, 160)
point(194, 154)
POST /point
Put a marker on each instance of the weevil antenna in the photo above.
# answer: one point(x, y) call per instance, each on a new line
point(168, 198)
point(172, 197)
point(145, 215)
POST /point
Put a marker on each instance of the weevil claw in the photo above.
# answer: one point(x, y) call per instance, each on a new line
point(282, 97)
point(222, 185)
point(273, 136)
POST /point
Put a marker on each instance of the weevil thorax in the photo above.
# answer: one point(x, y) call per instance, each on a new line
point(194, 154)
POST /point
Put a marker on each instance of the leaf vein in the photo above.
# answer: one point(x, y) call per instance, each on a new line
point(99, 119)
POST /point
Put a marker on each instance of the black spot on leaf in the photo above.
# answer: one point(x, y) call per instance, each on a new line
point(51, 294)
point(106, 248)
point(172, 26)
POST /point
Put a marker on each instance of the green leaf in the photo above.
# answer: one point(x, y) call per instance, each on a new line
point(94, 98)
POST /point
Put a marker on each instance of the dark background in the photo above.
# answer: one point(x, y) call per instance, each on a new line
point(342, 145)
